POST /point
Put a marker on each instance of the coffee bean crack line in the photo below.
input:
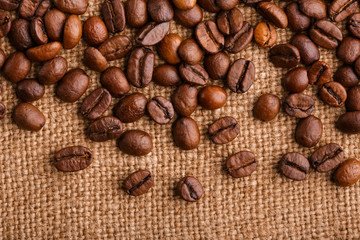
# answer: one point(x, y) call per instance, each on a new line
point(131, 190)
point(328, 156)
point(212, 36)
point(95, 104)
point(165, 110)
point(193, 194)
point(194, 70)
point(73, 156)
point(232, 126)
point(297, 167)
point(244, 166)
point(106, 130)
point(348, 4)
point(298, 108)
point(326, 34)
point(333, 94)
point(242, 76)
point(322, 70)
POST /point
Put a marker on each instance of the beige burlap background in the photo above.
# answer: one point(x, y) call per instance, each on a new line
point(39, 202)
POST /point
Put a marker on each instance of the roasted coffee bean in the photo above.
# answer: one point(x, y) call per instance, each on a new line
point(309, 131)
point(95, 60)
point(160, 110)
point(37, 31)
point(105, 128)
point(185, 99)
point(348, 173)
point(73, 85)
point(297, 20)
point(184, 4)
point(333, 93)
point(9, 5)
point(131, 108)
point(52, 71)
point(135, 142)
point(357, 66)
point(319, 73)
point(265, 34)
point(226, 4)
point(230, 22)
point(29, 90)
point(29, 9)
point(294, 166)
point(114, 80)
point(273, 13)
point(116, 47)
point(28, 117)
point(353, 99)
point(2, 111)
point(19, 34)
point(113, 12)
point(95, 31)
point(326, 34)
point(309, 53)
point(168, 48)
point(5, 24)
point(72, 6)
point(190, 52)
point(241, 164)
point(209, 37)
point(166, 75)
point(299, 105)
point(190, 189)
point(209, 5)
point(267, 107)
point(224, 130)
point(190, 17)
point(72, 159)
point(212, 97)
point(96, 104)
point(313, 8)
point(241, 75)
point(160, 10)
point(346, 76)
point(54, 21)
point(2, 59)
point(327, 157)
point(186, 133)
point(354, 24)
point(194, 74)
point(239, 41)
point(138, 183)
point(284, 56)
point(296, 80)
point(140, 67)
point(44, 52)
point(136, 13)
point(217, 65)
point(72, 32)
point(349, 122)
point(152, 33)
point(348, 50)
point(341, 9)
point(16, 67)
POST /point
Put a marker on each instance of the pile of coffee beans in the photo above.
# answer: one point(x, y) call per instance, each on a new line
point(42, 28)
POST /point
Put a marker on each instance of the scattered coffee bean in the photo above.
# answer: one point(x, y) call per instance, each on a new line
point(309, 131)
point(95, 31)
point(72, 32)
point(298, 21)
point(224, 130)
point(9, 5)
point(185, 99)
point(186, 133)
point(2, 58)
point(209, 37)
point(296, 80)
point(267, 107)
point(28, 117)
point(113, 12)
point(105, 128)
point(19, 34)
point(309, 53)
point(190, 189)
point(72, 159)
point(16, 67)
point(273, 13)
point(44, 52)
point(341, 9)
point(5, 24)
point(299, 105)
point(29, 90)
point(96, 104)
point(72, 6)
point(2, 111)
point(194, 74)
point(138, 183)
point(212, 97)
point(52, 71)
point(114, 80)
point(168, 48)
point(239, 41)
point(29, 9)
point(37, 31)
point(140, 67)
point(73, 85)
point(241, 164)
point(116, 47)
point(349, 122)
point(265, 34)
point(95, 60)
point(166, 75)
point(354, 24)
point(348, 50)
point(230, 22)
point(131, 108)
point(326, 34)
point(294, 166)
point(160, 110)
point(319, 73)
point(190, 17)
point(241, 75)
point(346, 76)
point(54, 21)
point(348, 173)
point(135, 142)
point(353, 99)
point(333, 93)
point(327, 157)
point(136, 13)
point(160, 10)
point(209, 5)
point(190, 52)
point(313, 8)
point(152, 33)
point(284, 56)
point(217, 65)
point(184, 4)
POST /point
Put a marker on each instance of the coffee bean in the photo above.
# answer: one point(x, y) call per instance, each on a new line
point(37, 30)
point(2, 58)
point(309, 53)
point(267, 107)
point(326, 34)
point(73, 85)
point(319, 73)
point(226, 4)
point(29, 9)
point(239, 41)
point(19, 34)
point(297, 20)
point(113, 12)
point(160, 110)
point(190, 17)
point(105, 128)
point(190, 189)
point(185, 99)
point(2, 111)
point(29, 90)
point(284, 56)
point(16, 67)
point(28, 117)
point(190, 52)
point(95, 31)
point(9, 5)
point(348, 173)
point(353, 99)
point(357, 66)
point(72, 32)
point(327, 157)
point(299, 105)
point(217, 65)
point(309, 131)
point(348, 50)
point(346, 76)
point(349, 122)
point(265, 34)
point(230, 22)
point(72, 159)
point(44, 52)
point(52, 71)
point(168, 48)
point(313, 8)
point(116, 47)
point(209, 5)
point(152, 33)
point(333, 93)
point(96, 104)
point(95, 60)
point(160, 10)
point(354, 24)
point(138, 183)
point(5, 24)
point(224, 130)
point(140, 67)
point(194, 74)
point(212, 97)
point(273, 13)
point(131, 108)
point(54, 24)
point(184, 4)
point(136, 13)
point(241, 75)
point(72, 6)
point(341, 9)
point(135, 142)
point(166, 75)
point(186, 133)
point(209, 37)
point(114, 80)
point(296, 80)
point(294, 166)
point(241, 164)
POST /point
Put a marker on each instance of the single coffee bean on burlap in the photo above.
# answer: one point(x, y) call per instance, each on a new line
point(73, 85)
point(114, 80)
point(353, 99)
point(294, 166)
point(217, 65)
point(138, 183)
point(131, 108)
point(239, 41)
point(190, 189)
point(230, 22)
point(37, 31)
point(96, 103)
point(2, 58)
point(72, 32)
point(190, 52)
point(341, 9)
point(298, 21)
point(348, 173)
point(44, 52)
point(241, 75)
point(212, 97)
point(327, 157)
point(309, 131)
point(267, 107)
point(193, 74)
point(209, 5)
point(5, 24)
point(333, 94)
point(16, 67)
point(326, 34)
point(113, 12)
point(160, 10)
point(29, 9)
point(9, 5)
point(284, 56)
point(224, 130)
point(166, 75)
point(349, 122)
point(28, 117)
point(319, 73)
point(54, 21)
point(346, 76)
point(241, 164)
point(29, 90)
point(353, 25)
point(348, 50)
point(309, 53)
point(273, 13)
point(19, 34)
point(52, 71)
point(299, 105)
point(136, 13)
point(152, 33)
point(168, 48)
point(94, 31)
point(72, 6)
point(265, 34)
point(160, 110)
point(296, 80)
point(140, 67)
point(135, 142)
point(313, 8)
point(116, 47)
point(190, 17)
point(95, 60)
point(2, 111)
point(104, 129)
point(185, 99)
point(186, 133)
point(209, 37)
point(184, 4)
point(72, 159)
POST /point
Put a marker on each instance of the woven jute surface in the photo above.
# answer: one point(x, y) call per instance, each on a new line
point(39, 202)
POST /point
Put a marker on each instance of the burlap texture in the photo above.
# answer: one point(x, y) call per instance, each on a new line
point(39, 202)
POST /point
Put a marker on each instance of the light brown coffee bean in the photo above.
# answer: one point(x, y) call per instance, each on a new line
point(28, 117)
point(72, 32)
point(44, 52)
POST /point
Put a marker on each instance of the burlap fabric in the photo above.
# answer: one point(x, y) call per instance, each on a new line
point(39, 202)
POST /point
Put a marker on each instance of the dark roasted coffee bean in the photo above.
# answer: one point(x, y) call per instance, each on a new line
point(5, 24)
point(160, 10)
point(114, 80)
point(265, 34)
point(294, 166)
point(94, 31)
point(29, 9)
point(349, 50)
point(217, 65)
point(136, 13)
point(190, 189)
point(333, 93)
point(190, 52)
point(44, 52)
point(186, 133)
point(152, 33)
point(341, 9)
point(309, 53)
point(327, 157)
point(72, 159)
point(29, 90)
point(131, 108)
point(16, 67)
point(325, 34)
point(160, 110)
point(209, 5)
point(37, 30)
point(166, 75)
point(19, 34)
point(226, 4)
point(230, 22)
point(184, 4)
point(299, 105)
point(241, 75)
point(2, 59)
point(348, 173)
point(72, 6)
point(135, 142)
point(346, 76)
point(2, 111)
point(267, 107)
point(72, 32)
point(190, 17)
point(95, 60)
point(168, 48)
point(241, 164)
point(285, 56)
point(52, 71)
point(209, 37)
point(353, 99)
point(140, 67)
point(313, 8)
point(273, 13)
point(349, 122)
point(194, 74)
point(113, 12)
point(9, 5)
point(54, 24)
point(212, 97)
point(309, 131)
point(116, 47)
point(296, 80)
point(138, 183)
point(104, 129)
point(224, 130)
point(73, 85)
point(28, 117)
point(297, 20)
point(96, 104)
point(239, 41)
point(354, 24)
point(319, 73)
point(185, 99)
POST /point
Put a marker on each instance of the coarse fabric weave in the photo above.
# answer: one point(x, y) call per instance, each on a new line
point(39, 202)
